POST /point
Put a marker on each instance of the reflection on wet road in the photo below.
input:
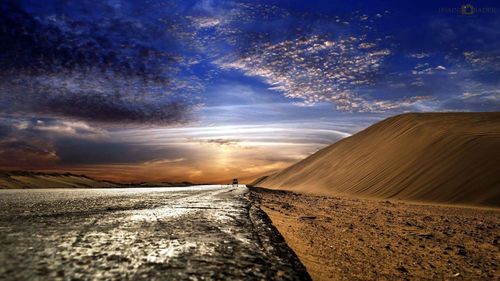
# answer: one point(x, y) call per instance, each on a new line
point(194, 233)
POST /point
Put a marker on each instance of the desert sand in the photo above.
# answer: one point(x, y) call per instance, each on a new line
point(342, 238)
point(22, 179)
point(427, 157)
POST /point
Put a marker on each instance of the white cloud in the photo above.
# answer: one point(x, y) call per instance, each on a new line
point(482, 61)
point(315, 70)
point(420, 55)
point(420, 70)
point(205, 22)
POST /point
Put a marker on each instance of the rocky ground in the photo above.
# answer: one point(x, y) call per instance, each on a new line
point(357, 239)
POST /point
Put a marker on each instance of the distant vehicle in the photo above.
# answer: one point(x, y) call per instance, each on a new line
point(235, 182)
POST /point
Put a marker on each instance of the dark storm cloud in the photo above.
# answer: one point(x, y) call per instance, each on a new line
point(43, 97)
point(23, 147)
point(53, 142)
point(57, 43)
point(69, 151)
point(19, 149)
point(4, 130)
point(93, 61)
point(29, 142)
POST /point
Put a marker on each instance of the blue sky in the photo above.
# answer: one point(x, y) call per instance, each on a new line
point(184, 89)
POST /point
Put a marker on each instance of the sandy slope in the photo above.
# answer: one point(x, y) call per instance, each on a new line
point(46, 180)
point(431, 157)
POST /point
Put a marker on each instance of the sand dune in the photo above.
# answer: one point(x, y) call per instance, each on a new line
point(49, 180)
point(428, 157)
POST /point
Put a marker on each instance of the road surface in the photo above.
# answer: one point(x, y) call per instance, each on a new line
point(193, 233)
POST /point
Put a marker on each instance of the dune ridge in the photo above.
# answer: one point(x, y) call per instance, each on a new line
point(426, 157)
point(25, 179)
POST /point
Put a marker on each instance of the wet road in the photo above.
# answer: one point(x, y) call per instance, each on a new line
point(194, 233)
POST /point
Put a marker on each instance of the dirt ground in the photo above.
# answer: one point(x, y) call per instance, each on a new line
point(358, 239)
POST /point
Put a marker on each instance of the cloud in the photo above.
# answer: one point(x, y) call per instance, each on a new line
point(47, 143)
point(67, 128)
point(112, 151)
point(420, 55)
point(153, 153)
point(309, 58)
point(112, 67)
point(215, 141)
point(475, 96)
point(483, 61)
point(5, 130)
point(205, 22)
point(222, 141)
point(29, 143)
point(423, 69)
point(314, 69)
point(91, 106)
point(18, 153)
point(48, 128)
point(163, 161)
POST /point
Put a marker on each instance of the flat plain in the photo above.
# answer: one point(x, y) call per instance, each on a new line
point(341, 238)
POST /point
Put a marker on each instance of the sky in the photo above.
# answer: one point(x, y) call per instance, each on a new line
point(205, 91)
